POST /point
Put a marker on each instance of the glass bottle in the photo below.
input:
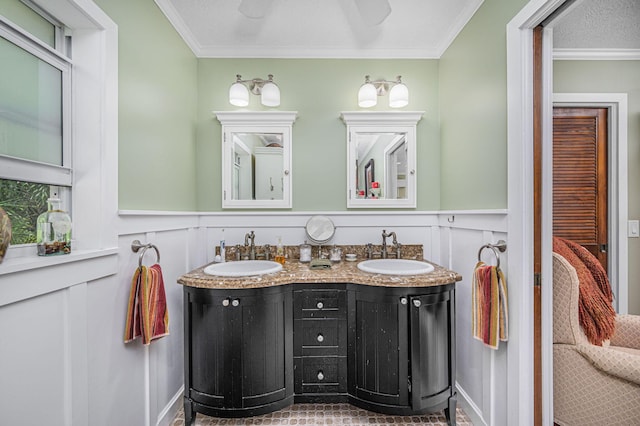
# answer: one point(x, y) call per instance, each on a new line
point(53, 234)
point(305, 252)
point(280, 258)
point(335, 254)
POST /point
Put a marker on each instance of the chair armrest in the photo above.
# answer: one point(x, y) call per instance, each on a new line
point(623, 365)
point(627, 332)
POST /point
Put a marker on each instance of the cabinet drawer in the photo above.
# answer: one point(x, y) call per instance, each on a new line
point(321, 374)
point(318, 337)
point(320, 304)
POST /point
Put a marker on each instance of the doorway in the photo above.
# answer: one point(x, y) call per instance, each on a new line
point(580, 183)
point(615, 105)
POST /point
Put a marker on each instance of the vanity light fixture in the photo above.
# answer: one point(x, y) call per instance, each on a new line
point(267, 89)
point(370, 90)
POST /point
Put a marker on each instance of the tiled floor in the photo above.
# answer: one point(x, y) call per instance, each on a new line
point(327, 414)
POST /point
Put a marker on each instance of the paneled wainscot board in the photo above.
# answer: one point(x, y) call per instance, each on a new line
point(62, 325)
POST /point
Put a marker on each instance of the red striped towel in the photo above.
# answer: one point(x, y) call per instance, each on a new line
point(490, 313)
point(147, 313)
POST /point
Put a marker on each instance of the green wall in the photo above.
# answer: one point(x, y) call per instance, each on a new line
point(169, 150)
point(158, 91)
point(613, 77)
point(318, 89)
point(473, 111)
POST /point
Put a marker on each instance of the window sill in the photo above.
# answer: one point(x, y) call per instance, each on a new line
point(27, 263)
point(27, 277)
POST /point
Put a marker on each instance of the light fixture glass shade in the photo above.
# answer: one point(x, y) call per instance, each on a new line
point(270, 95)
point(398, 96)
point(238, 95)
point(367, 95)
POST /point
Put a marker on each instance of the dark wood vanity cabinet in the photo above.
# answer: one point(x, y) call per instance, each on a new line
point(432, 376)
point(320, 344)
point(238, 351)
point(385, 349)
point(379, 349)
point(401, 350)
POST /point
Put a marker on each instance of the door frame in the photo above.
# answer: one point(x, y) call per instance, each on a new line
point(616, 104)
point(520, 174)
point(520, 204)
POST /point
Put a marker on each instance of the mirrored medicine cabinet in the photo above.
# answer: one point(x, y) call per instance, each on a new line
point(381, 158)
point(256, 158)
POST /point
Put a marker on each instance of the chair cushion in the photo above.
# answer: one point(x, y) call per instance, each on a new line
point(586, 396)
point(627, 331)
point(624, 364)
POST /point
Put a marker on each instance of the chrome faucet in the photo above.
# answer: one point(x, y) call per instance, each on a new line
point(384, 243)
point(252, 249)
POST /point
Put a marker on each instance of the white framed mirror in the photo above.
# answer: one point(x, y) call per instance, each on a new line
point(256, 158)
point(381, 158)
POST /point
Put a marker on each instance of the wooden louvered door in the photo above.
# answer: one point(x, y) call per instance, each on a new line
point(580, 178)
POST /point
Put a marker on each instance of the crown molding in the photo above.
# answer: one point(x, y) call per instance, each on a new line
point(178, 23)
point(463, 19)
point(287, 52)
point(596, 54)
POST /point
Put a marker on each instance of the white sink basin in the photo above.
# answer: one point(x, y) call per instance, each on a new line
point(395, 266)
point(243, 268)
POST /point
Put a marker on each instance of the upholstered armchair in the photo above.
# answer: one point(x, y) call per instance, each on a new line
point(592, 385)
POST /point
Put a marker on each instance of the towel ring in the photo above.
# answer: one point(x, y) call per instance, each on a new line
point(498, 248)
point(136, 245)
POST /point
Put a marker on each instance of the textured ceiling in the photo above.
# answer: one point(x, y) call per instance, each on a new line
point(319, 28)
point(599, 24)
point(339, 28)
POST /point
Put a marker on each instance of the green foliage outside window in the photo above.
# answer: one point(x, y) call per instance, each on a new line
point(23, 202)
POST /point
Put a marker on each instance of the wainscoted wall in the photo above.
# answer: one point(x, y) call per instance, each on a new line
point(62, 327)
point(481, 372)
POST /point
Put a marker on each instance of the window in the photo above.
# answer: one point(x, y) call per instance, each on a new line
point(35, 92)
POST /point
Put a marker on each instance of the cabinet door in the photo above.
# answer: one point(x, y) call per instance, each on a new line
point(209, 353)
point(379, 357)
point(432, 340)
point(265, 338)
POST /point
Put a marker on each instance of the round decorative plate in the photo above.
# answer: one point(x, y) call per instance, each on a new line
point(5, 233)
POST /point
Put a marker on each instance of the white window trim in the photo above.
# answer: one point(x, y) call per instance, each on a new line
point(22, 169)
point(94, 124)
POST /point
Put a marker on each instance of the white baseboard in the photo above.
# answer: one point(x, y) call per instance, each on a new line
point(469, 407)
point(168, 413)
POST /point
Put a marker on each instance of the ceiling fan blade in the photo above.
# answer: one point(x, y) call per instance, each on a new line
point(254, 9)
point(373, 12)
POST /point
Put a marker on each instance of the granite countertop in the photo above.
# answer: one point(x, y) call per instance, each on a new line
point(342, 272)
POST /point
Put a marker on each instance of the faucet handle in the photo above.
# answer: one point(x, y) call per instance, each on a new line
point(369, 250)
point(398, 254)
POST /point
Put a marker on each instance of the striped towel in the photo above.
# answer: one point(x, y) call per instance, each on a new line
point(147, 313)
point(489, 309)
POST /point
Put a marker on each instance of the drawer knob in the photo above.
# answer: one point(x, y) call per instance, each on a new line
point(320, 305)
point(235, 302)
point(320, 338)
point(320, 375)
point(417, 303)
point(403, 300)
point(225, 302)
